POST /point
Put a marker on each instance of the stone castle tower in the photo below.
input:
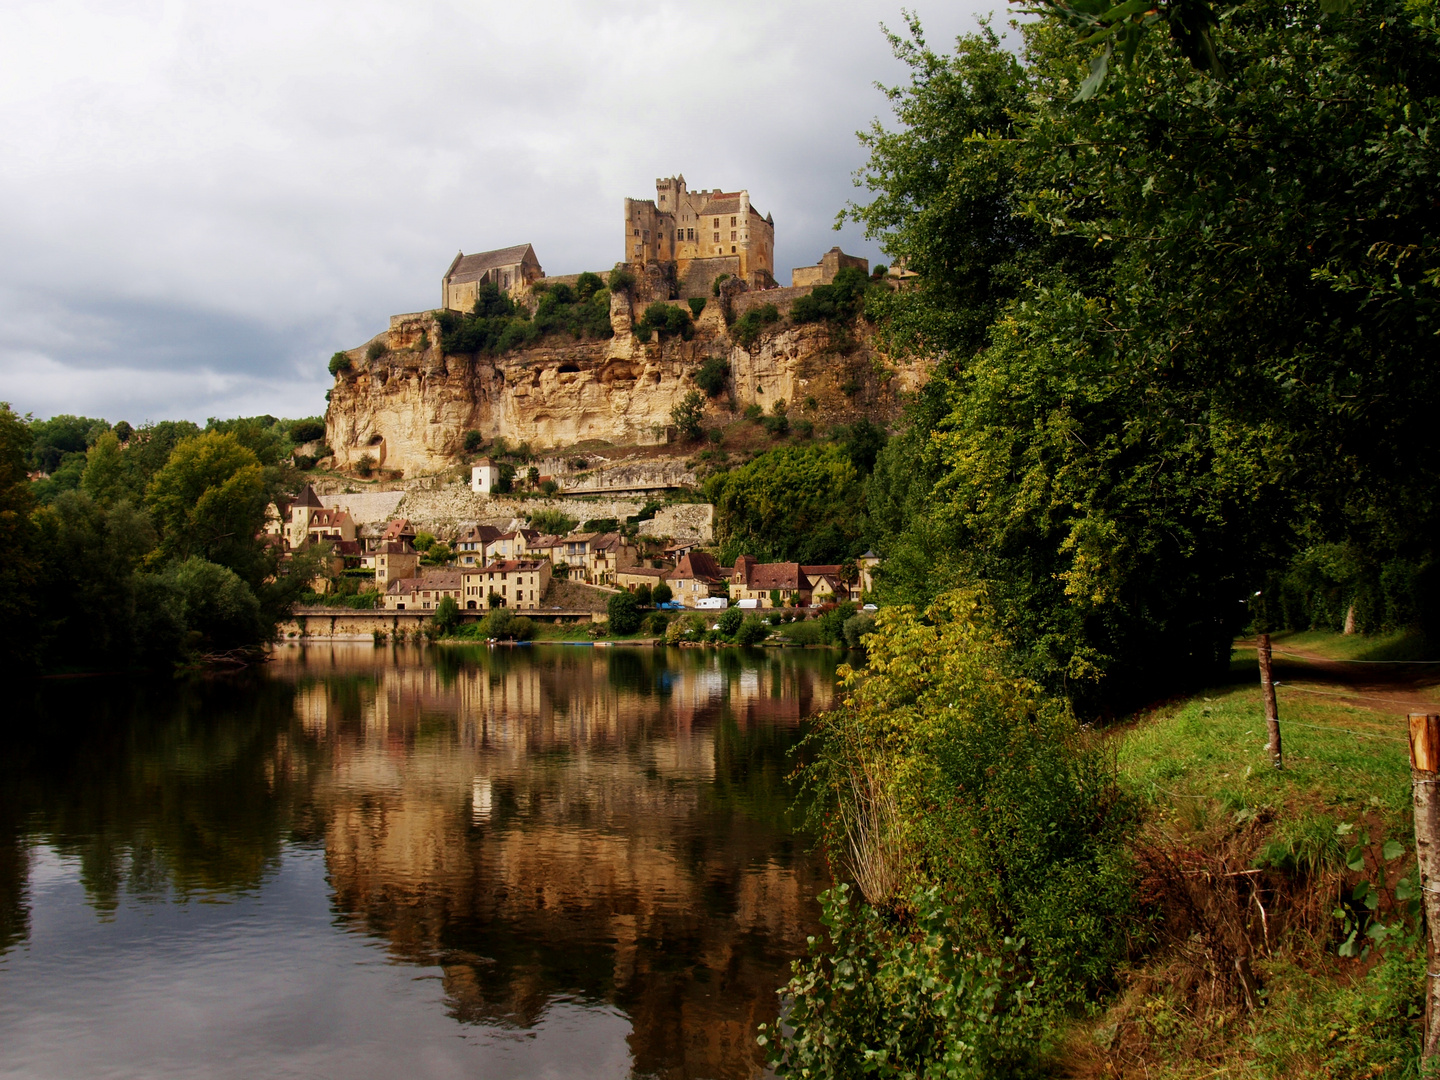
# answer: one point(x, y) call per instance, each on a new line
point(704, 233)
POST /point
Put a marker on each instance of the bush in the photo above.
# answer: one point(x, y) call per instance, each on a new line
point(366, 465)
point(748, 327)
point(601, 525)
point(621, 280)
point(691, 627)
point(730, 620)
point(697, 305)
point(661, 594)
point(497, 325)
point(657, 622)
point(779, 422)
point(503, 625)
point(857, 626)
point(836, 302)
point(754, 413)
point(752, 631)
point(376, 350)
point(642, 596)
point(423, 541)
point(339, 362)
point(549, 488)
point(588, 285)
point(713, 375)
point(687, 414)
point(624, 613)
point(473, 441)
point(553, 521)
point(716, 435)
point(666, 320)
point(715, 285)
point(804, 428)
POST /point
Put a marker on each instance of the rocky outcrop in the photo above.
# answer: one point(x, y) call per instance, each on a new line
point(410, 406)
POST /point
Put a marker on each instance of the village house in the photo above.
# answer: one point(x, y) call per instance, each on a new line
point(508, 269)
point(769, 584)
point(606, 555)
point(470, 545)
point(424, 593)
point(398, 529)
point(632, 577)
point(511, 545)
point(311, 521)
point(827, 585)
point(519, 583)
point(694, 576)
point(395, 560)
point(484, 475)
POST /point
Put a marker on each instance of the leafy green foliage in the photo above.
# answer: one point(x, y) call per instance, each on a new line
point(1183, 331)
point(792, 503)
point(208, 502)
point(310, 429)
point(666, 320)
point(624, 613)
point(553, 521)
point(687, 414)
point(21, 566)
point(837, 302)
point(339, 363)
point(498, 325)
point(621, 280)
point(713, 375)
point(697, 305)
point(752, 631)
point(375, 350)
point(747, 329)
point(447, 615)
point(661, 594)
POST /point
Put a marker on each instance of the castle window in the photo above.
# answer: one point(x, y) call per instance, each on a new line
point(732, 234)
point(717, 223)
point(717, 238)
point(637, 232)
point(732, 249)
point(732, 221)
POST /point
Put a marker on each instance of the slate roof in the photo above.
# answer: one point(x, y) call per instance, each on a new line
point(309, 498)
point(398, 528)
point(474, 267)
point(432, 581)
point(697, 565)
point(765, 576)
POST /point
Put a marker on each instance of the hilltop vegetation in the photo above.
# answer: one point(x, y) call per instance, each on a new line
point(1184, 317)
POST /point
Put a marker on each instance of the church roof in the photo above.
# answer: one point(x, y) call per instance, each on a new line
point(473, 267)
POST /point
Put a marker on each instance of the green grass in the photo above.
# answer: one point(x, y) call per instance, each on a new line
point(1401, 645)
point(1338, 758)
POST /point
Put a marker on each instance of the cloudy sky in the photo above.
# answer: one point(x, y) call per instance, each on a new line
point(200, 202)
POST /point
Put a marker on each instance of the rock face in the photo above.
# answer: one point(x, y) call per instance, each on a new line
point(409, 407)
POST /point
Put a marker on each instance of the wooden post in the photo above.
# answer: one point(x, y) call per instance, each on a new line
point(1272, 710)
point(1424, 767)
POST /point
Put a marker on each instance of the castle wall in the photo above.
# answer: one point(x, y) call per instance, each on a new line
point(696, 278)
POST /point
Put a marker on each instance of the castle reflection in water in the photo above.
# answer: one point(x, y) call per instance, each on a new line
point(607, 825)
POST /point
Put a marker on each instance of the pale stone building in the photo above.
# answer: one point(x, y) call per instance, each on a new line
point(824, 271)
point(484, 475)
point(704, 233)
point(310, 521)
point(519, 583)
point(508, 269)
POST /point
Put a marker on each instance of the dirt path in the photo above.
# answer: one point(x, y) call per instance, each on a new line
point(1394, 688)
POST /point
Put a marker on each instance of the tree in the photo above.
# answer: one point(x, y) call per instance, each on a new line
point(473, 441)
point(19, 569)
point(713, 375)
point(791, 503)
point(553, 521)
point(1184, 330)
point(661, 594)
point(624, 613)
point(642, 596)
point(687, 414)
point(447, 616)
point(209, 502)
point(339, 362)
point(104, 479)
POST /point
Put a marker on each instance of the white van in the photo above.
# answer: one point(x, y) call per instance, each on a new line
point(748, 605)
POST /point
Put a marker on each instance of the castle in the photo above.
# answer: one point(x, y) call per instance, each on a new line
point(704, 233)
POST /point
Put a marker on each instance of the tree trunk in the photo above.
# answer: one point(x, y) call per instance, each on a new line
point(1272, 709)
point(1350, 619)
point(1424, 764)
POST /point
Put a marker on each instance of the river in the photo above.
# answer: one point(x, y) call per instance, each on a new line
point(552, 861)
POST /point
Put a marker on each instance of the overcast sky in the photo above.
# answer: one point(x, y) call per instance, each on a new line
point(200, 202)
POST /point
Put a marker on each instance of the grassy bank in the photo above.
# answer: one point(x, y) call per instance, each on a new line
point(1251, 878)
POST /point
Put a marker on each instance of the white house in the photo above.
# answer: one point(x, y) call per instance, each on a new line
point(484, 474)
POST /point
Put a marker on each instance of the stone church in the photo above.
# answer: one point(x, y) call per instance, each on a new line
point(509, 269)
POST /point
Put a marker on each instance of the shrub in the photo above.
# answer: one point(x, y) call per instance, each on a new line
point(549, 487)
point(687, 414)
point(691, 627)
point(366, 465)
point(666, 320)
point(717, 435)
point(713, 375)
point(748, 327)
point(600, 525)
point(473, 441)
point(621, 280)
point(588, 285)
point(730, 620)
point(779, 422)
point(423, 541)
point(642, 596)
point(754, 413)
point(715, 285)
point(552, 520)
point(376, 350)
point(857, 626)
point(752, 631)
point(836, 302)
point(339, 362)
point(661, 594)
point(804, 428)
point(656, 623)
point(697, 305)
point(624, 613)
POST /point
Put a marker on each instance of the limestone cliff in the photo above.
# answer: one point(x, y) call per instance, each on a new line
point(410, 407)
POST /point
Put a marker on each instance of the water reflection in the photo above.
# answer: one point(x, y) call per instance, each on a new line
point(568, 838)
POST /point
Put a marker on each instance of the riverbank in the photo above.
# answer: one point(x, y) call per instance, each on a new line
point(1253, 876)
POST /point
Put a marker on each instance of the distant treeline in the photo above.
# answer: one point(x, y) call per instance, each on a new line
point(139, 547)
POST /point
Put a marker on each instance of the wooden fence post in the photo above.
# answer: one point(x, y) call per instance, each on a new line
point(1424, 767)
point(1272, 709)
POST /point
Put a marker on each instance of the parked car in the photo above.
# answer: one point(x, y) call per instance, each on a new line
point(869, 607)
